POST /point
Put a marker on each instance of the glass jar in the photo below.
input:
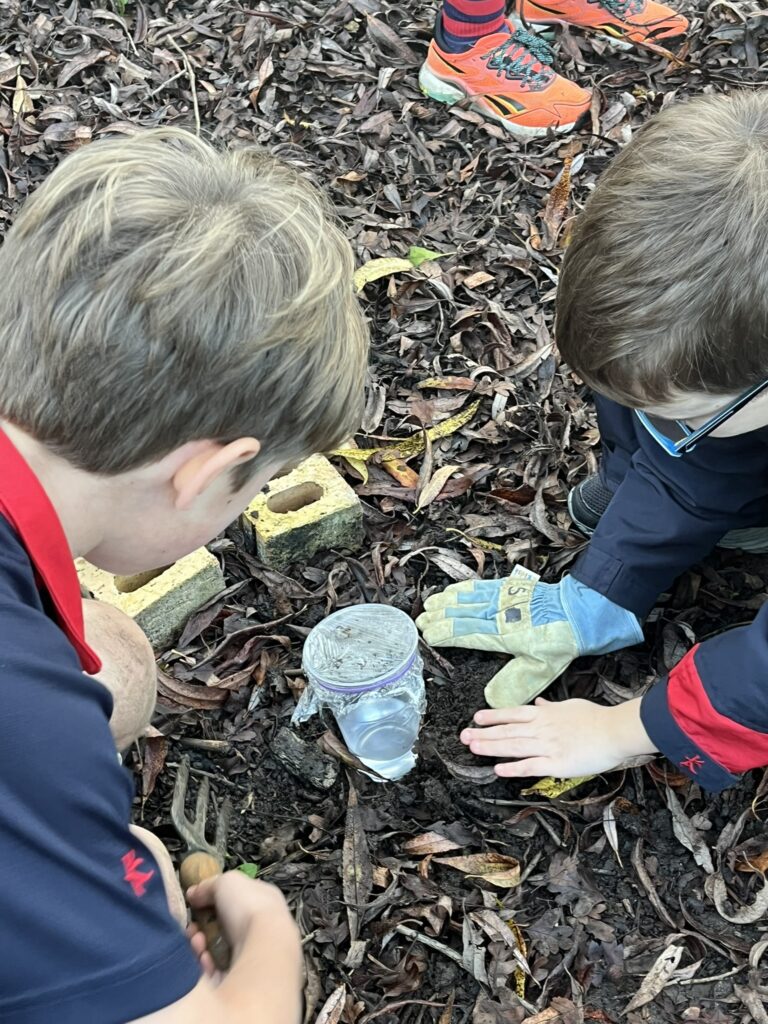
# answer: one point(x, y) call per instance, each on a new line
point(363, 664)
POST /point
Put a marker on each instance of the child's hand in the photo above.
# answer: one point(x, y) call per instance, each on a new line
point(246, 908)
point(564, 738)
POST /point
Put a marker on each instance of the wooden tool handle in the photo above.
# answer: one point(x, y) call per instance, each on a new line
point(195, 868)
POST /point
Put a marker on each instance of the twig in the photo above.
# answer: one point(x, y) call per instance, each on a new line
point(192, 82)
point(210, 775)
point(704, 981)
point(425, 940)
point(200, 744)
point(165, 84)
point(398, 1006)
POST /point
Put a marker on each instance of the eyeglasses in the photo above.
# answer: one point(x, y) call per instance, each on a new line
point(677, 438)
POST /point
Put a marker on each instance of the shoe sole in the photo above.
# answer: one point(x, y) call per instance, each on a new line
point(445, 92)
point(754, 541)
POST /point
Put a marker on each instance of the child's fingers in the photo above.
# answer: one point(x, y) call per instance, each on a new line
point(504, 733)
point(203, 894)
point(518, 747)
point(505, 716)
point(525, 768)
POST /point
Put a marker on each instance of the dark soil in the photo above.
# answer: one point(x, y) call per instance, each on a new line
point(331, 86)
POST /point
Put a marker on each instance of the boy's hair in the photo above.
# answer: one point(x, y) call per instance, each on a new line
point(156, 291)
point(664, 286)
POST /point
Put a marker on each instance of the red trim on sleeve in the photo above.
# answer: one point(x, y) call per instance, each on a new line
point(26, 506)
point(737, 747)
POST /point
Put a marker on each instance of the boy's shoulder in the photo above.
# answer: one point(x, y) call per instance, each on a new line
point(36, 566)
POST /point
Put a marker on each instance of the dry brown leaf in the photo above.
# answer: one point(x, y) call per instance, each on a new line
point(557, 204)
point(439, 479)
point(496, 868)
point(480, 277)
point(449, 383)
point(356, 870)
point(386, 37)
point(78, 64)
point(688, 834)
point(480, 775)
point(330, 744)
point(658, 976)
point(188, 695)
point(756, 863)
point(429, 842)
point(333, 1007)
point(716, 889)
point(155, 753)
point(22, 101)
point(548, 1016)
point(447, 1015)
point(399, 471)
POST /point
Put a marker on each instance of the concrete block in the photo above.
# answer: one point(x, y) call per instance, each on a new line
point(309, 509)
point(160, 600)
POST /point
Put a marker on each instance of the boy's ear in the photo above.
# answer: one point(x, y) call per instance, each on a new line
point(197, 474)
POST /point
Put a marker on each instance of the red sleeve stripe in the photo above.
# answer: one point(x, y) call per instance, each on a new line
point(736, 747)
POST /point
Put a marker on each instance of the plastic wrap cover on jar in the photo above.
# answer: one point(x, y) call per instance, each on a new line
point(362, 663)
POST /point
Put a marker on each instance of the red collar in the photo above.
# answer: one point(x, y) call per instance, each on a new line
point(26, 506)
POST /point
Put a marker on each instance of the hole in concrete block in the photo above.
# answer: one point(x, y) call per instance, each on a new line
point(294, 498)
point(128, 584)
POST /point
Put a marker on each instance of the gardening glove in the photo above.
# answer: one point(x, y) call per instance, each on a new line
point(543, 625)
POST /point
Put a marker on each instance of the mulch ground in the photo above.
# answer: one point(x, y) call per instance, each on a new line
point(636, 890)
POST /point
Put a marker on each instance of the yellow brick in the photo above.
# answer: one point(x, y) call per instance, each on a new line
point(309, 509)
point(160, 601)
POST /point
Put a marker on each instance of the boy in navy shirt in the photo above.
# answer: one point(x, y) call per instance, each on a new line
point(177, 324)
point(662, 309)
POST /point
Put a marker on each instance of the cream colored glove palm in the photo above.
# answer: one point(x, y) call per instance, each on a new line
point(543, 625)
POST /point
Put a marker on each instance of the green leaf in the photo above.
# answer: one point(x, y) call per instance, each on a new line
point(252, 870)
point(417, 255)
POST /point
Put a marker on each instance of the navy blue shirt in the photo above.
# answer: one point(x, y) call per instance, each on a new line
point(85, 931)
point(710, 715)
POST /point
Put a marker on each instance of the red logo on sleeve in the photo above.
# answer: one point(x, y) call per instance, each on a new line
point(692, 763)
point(135, 878)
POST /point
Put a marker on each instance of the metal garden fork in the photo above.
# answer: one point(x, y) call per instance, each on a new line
point(203, 859)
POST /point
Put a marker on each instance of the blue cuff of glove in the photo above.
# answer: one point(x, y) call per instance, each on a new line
point(599, 624)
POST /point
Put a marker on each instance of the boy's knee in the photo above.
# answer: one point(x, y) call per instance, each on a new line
point(128, 669)
point(173, 893)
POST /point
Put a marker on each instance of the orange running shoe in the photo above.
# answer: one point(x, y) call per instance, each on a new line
point(631, 21)
point(509, 78)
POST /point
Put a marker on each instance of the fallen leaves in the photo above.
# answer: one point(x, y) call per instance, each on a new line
point(385, 266)
point(553, 788)
point(659, 975)
point(496, 868)
point(356, 869)
point(382, 266)
point(429, 842)
point(434, 486)
point(688, 834)
point(413, 445)
point(557, 204)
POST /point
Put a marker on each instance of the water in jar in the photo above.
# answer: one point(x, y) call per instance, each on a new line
point(382, 732)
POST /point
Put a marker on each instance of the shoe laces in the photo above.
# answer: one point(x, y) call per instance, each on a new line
point(524, 56)
point(620, 8)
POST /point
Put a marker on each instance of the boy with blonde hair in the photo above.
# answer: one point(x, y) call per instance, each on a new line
point(177, 324)
point(662, 309)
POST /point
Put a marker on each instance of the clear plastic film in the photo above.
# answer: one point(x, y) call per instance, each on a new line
point(316, 697)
